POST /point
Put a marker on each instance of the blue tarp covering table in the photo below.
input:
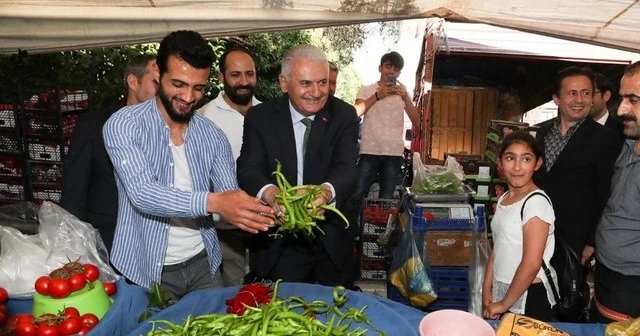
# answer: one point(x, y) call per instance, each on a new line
point(392, 317)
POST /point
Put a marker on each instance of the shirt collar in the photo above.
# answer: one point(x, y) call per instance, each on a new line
point(296, 116)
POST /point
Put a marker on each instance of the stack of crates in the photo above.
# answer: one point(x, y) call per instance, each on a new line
point(447, 245)
point(49, 121)
point(11, 161)
point(374, 259)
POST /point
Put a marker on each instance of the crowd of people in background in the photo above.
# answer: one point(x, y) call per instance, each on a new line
point(186, 198)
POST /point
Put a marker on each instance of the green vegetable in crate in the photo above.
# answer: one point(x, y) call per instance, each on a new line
point(301, 212)
point(441, 183)
point(289, 316)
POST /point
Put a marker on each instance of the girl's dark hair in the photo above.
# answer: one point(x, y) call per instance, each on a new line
point(523, 138)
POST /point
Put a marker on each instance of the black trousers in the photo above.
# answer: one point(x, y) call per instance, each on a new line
point(306, 261)
point(538, 306)
point(615, 291)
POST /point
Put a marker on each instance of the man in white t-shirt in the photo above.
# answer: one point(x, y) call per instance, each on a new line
point(382, 106)
point(227, 111)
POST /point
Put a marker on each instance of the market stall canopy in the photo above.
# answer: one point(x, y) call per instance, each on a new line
point(54, 25)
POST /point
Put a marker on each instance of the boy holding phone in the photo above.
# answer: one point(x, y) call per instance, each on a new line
point(382, 106)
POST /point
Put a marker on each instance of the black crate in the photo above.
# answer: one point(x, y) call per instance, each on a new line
point(46, 194)
point(9, 142)
point(10, 165)
point(46, 173)
point(370, 248)
point(373, 269)
point(47, 123)
point(7, 116)
point(44, 149)
point(10, 191)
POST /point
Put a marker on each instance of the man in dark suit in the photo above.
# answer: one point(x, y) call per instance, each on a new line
point(579, 156)
point(600, 112)
point(275, 131)
point(89, 188)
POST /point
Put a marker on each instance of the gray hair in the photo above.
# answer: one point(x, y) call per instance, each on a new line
point(137, 67)
point(307, 51)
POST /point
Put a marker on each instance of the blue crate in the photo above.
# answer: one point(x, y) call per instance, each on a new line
point(421, 224)
point(452, 287)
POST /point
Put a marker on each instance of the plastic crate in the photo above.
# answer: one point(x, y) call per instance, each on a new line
point(10, 165)
point(46, 173)
point(47, 123)
point(11, 191)
point(44, 194)
point(7, 116)
point(373, 269)
point(371, 248)
point(9, 142)
point(373, 229)
point(44, 149)
point(451, 285)
point(378, 210)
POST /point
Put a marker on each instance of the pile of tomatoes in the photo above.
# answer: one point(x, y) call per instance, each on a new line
point(70, 278)
point(4, 297)
point(65, 323)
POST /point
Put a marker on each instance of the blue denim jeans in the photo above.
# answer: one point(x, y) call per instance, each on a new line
point(387, 168)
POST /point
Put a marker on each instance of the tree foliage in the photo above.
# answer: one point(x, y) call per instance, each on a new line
point(100, 71)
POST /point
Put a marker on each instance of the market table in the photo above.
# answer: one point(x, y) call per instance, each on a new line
point(392, 317)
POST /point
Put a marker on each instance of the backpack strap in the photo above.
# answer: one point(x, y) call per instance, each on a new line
point(546, 269)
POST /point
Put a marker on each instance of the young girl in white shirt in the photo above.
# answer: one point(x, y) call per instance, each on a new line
point(522, 237)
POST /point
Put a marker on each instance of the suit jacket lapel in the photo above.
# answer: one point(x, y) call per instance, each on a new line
point(283, 129)
point(577, 139)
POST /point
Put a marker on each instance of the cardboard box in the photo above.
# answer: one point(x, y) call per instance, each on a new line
point(448, 248)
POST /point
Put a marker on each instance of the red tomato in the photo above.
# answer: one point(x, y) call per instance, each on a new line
point(77, 282)
point(4, 296)
point(42, 285)
point(91, 272)
point(24, 328)
point(84, 330)
point(47, 330)
point(109, 287)
point(89, 320)
point(3, 317)
point(59, 288)
point(71, 311)
point(71, 325)
point(3, 309)
point(17, 318)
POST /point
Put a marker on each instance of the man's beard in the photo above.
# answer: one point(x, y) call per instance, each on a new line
point(173, 114)
point(240, 99)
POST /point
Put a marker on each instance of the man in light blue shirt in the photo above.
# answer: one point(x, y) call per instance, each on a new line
point(174, 168)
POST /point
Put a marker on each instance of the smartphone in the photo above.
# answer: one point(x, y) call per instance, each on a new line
point(392, 80)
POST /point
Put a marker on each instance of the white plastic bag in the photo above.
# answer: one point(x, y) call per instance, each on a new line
point(61, 238)
point(478, 264)
point(432, 179)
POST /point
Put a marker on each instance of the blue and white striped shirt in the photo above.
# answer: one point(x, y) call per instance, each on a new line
point(137, 140)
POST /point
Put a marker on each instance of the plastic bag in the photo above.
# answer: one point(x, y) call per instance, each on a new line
point(630, 327)
point(61, 237)
point(478, 264)
point(409, 268)
point(431, 179)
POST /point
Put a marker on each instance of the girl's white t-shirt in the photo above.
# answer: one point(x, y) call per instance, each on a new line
point(506, 230)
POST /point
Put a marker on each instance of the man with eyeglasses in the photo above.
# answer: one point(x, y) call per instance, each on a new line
point(600, 112)
point(578, 161)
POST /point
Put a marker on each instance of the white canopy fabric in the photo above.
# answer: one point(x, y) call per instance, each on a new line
point(55, 25)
